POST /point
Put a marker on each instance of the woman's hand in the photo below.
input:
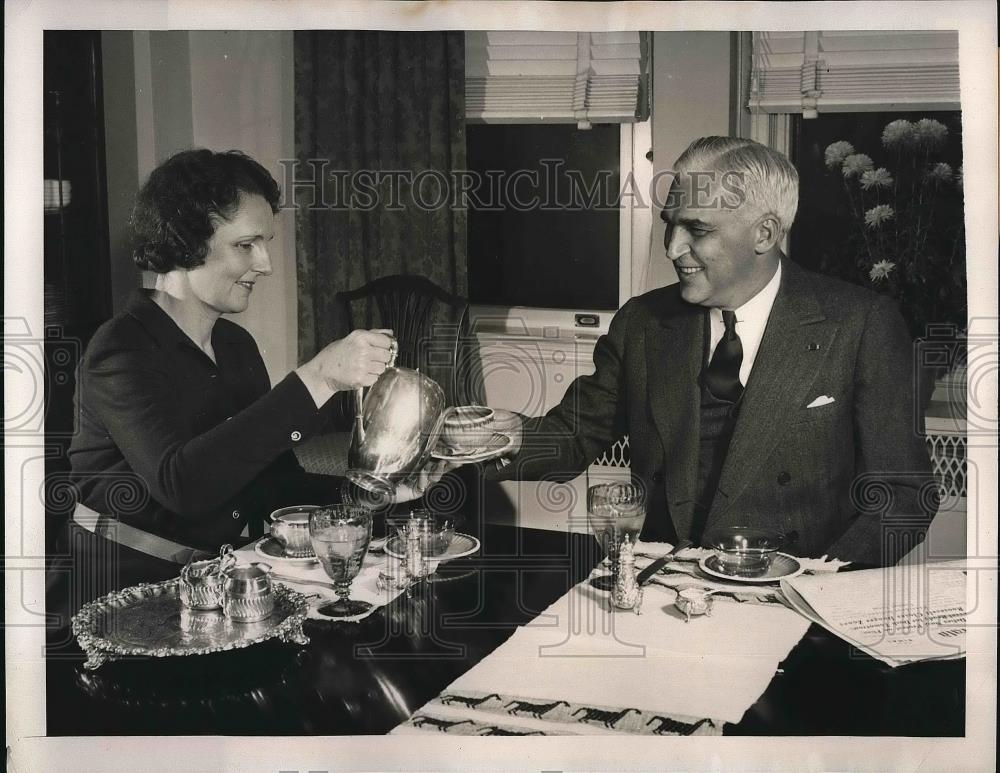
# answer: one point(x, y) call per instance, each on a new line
point(356, 360)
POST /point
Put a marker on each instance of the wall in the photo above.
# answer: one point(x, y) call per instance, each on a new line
point(691, 98)
point(121, 155)
point(216, 89)
point(242, 95)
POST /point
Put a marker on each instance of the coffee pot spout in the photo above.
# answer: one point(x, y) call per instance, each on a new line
point(359, 395)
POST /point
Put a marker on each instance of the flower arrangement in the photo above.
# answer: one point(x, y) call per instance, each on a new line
point(906, 221)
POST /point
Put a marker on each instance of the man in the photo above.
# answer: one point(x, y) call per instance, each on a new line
point(753, 392)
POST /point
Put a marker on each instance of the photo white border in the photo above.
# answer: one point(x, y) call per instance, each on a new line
point(29, 750)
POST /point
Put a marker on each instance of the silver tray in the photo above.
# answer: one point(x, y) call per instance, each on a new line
point(149, 620)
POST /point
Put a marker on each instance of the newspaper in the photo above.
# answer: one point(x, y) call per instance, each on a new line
point(898, 615)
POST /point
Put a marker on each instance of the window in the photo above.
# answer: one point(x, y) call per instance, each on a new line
point(560, 119)
point(929, 282)
point(546, 233)
point(902, 236)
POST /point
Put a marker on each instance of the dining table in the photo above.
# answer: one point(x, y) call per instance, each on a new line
point(369, 677)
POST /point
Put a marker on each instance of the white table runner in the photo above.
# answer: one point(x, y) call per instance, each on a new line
point(649, 665)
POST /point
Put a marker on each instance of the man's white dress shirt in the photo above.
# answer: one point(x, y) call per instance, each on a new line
point(751, 319)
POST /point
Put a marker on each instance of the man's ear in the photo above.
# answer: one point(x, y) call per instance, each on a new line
point(767, 234)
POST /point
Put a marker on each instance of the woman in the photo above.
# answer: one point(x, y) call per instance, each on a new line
point(182, 441)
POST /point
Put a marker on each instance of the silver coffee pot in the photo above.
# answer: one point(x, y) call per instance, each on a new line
point(396, 426)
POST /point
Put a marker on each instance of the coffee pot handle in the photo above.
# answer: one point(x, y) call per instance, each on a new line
point(359, 393)
point(359, 421)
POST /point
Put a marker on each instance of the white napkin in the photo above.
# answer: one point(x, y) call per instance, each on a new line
point(297, 574)
point(685, 573)
point(645, 552)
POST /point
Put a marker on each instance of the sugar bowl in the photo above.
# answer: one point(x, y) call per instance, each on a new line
point(693, 602)
point(248, 593)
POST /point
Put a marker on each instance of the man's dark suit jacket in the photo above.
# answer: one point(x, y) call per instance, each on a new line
point(850, 478)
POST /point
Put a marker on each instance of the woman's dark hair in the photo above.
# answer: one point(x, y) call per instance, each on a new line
point(176, 210)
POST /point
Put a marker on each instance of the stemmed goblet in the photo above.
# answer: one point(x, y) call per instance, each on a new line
point(340, 535)
point(614, 510)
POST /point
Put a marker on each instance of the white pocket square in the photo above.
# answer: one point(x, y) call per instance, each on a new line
point(821, 400)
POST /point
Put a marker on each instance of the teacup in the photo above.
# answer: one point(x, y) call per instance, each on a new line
point(744, 551)
point(290, 527)
point(436, 530)
point(467, 428)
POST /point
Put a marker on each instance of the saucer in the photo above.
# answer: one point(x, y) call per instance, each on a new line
point(782, 566)
point(269, 547)
point(497, 445)
point(461, 545)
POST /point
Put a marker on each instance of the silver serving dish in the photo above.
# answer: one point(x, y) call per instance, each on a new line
point(149, 620)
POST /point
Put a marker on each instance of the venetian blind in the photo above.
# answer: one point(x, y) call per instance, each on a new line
point(557, 77)
point(854, 71)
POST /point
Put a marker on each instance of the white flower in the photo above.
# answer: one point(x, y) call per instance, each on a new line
point(930, 133)
point(876, 178)
point(837, 152)
point(875, 216)
point(881, 270)
point(898, 134)
point(941, 173)
point(857, 163)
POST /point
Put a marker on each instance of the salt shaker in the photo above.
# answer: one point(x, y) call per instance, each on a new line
point(626, 593)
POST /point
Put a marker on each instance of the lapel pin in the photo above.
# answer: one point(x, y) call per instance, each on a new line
point(812, 347)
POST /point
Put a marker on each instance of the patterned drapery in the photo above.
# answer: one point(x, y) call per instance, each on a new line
point(367, 104)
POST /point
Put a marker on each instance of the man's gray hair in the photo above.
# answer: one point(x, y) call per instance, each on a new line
point(766, 178)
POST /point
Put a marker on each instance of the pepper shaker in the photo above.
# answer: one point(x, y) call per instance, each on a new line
point(626, 593)
point(415, 564)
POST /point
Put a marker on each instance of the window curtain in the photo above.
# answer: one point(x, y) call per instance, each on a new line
point(375, 102)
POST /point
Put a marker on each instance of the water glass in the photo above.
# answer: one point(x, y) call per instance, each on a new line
point(340, 535)
point(615, 510)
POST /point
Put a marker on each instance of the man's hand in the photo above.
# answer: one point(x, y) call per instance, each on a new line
point(415, 485)
point(510, 424)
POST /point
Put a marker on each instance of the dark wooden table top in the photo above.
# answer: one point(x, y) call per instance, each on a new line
point(364, 678)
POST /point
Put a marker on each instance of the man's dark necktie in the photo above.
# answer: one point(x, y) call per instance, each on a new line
point(723, 374)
